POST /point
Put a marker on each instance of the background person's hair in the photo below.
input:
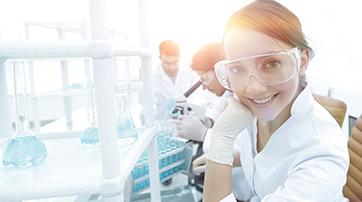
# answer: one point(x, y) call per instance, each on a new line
point(273, 19)
point(169, 47)
point(207, 56)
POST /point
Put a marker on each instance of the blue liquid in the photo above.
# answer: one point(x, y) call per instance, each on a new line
point(167, 157)
point(24, 152)
point(125, 128)
point(90, 136)
point(171, 104)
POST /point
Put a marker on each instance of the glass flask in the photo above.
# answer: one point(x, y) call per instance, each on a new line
point(90, 135)
point(24, 149)
point(126, 129)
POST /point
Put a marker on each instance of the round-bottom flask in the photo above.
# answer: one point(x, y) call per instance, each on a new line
point(24, 149)
point(126, 129)
point(90, 136)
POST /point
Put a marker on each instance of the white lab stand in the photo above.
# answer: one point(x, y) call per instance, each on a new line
point(69, 169)
point(81, 29)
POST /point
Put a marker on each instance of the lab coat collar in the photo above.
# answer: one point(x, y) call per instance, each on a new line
point(160, 73)
point(303, 102)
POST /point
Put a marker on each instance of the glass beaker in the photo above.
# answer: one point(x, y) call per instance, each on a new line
point(24, 149)
point(90, 135)
point(125, 127)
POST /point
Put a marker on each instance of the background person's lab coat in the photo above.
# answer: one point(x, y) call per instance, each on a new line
point(165, 90)
point(306, 159)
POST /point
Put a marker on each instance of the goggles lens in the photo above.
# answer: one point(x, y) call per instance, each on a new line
point(269, 69)
point(208, 77)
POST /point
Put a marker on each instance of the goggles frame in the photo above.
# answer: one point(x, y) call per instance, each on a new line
point(222, 73)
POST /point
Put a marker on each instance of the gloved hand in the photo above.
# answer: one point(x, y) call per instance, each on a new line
point(231, 122)
point(199, 165)
point(190, 127)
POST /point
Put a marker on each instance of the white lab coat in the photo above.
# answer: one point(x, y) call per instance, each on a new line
point(164, 89)
point(218, 106)
point(306, 159)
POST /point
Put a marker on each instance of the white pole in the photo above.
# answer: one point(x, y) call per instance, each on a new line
point(104, 85)
point(34, 112)
point(34, 116)
point(5, 123)
point(149, 112)
point(104, 89)
point(65, 81)
point(87, 65)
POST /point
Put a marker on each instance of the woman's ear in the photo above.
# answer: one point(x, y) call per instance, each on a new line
point(304, 61)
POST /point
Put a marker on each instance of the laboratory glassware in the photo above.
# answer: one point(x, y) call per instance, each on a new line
point(174, 157)
point(90, 135)
point(24, 149)
point(126, 129)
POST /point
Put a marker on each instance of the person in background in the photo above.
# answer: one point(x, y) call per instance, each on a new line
point(194, 127)
point(199, 129)
point(291, 148)
point(169, 79)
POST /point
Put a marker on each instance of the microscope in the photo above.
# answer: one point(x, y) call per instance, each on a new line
point(182, 107)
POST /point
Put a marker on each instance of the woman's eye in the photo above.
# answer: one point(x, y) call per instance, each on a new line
point(272, 64)
point(235, 69)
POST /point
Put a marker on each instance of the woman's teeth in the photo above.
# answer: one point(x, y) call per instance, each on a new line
point(264, 100)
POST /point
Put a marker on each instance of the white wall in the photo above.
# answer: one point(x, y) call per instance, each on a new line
point(335, 32)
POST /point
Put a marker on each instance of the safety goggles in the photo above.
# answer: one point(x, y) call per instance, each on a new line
point(270, 69)
point(208, 77)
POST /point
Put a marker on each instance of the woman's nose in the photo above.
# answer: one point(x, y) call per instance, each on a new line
point(254, 85)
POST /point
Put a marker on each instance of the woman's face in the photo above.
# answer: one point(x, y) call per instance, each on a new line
point(266, 102)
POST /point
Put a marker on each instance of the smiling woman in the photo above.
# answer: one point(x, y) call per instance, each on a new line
point(286, 136)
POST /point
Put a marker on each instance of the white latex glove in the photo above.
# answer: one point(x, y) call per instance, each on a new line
point(199, 165)
point(231, 122)
point(190, 127)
